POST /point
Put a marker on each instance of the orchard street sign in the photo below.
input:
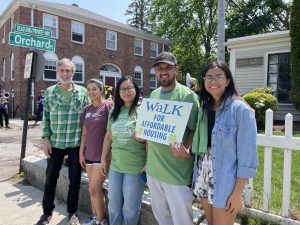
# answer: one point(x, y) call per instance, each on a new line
point(28, 41)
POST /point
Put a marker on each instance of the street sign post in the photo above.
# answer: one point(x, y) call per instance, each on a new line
point(27, 41)
point(37, 31)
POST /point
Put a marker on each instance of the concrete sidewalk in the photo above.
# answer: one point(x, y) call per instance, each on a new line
point(22, 204)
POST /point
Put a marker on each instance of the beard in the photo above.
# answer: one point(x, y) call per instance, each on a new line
point(63, 80)
point(166, 83)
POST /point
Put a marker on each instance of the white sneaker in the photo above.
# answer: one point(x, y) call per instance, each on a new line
point(91, 221)
point(73, 220)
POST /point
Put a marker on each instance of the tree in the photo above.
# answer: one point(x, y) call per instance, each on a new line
point(295, 53)
point(249, 17)
point(140, 10)
point(191, 26)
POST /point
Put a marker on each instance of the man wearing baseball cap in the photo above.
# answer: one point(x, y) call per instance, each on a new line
point(170, 171)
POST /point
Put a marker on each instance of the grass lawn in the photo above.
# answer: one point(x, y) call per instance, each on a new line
point(277, 182)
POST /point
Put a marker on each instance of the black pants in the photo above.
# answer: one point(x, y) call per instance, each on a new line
point(52, 173)
point(39, 115)
point(3, 113)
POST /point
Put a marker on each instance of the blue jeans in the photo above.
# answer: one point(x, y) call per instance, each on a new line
point(125, 192)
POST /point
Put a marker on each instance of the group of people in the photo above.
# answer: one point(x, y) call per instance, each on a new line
point(213, 162)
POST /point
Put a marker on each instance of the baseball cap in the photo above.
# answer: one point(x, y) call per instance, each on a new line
point(165, 57)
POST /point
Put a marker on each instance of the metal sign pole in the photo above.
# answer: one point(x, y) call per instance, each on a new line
point(26, 113)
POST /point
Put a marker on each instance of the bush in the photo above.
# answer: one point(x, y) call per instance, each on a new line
point(261, 99)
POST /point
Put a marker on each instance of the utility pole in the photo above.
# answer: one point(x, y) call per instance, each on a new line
point(221, 30)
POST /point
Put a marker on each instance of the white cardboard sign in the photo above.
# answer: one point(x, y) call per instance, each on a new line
point(162, 121)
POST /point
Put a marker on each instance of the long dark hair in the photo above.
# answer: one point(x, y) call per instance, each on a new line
point(206, 99)
point(119, 102)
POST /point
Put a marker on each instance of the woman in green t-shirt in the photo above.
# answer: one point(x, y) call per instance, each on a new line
point(128, 156)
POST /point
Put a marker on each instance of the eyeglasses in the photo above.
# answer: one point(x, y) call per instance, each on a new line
point(128, 89)
point(217, 78)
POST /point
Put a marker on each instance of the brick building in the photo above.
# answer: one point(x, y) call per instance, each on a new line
point(100, 48)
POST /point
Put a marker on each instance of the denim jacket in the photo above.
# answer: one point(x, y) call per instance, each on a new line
point(233, 148)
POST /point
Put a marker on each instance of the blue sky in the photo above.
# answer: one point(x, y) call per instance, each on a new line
point(113, 9)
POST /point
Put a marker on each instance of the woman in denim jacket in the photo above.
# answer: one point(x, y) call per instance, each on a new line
point(225, 145)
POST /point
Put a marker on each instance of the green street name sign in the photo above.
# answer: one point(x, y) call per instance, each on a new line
point(21, 28)
point(32, 42)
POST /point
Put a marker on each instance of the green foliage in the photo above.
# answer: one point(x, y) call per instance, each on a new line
point(260, 101)
point(191, 26)
point(251, 17)
point(266, 90)
point(139, 11)
point(295, 53)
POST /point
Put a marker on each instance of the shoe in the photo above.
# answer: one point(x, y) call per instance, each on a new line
point(91, 221)
point(73, 219)
point(45, 219)
point(104, 222)
point(7, 126)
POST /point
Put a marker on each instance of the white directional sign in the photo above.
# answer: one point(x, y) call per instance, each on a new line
point(28, 65)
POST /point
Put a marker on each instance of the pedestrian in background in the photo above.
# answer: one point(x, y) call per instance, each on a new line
point(225, 145)
point(63, 106)
point(4, 109)
point(94, 122)
point(128, 156)
point(40, 106)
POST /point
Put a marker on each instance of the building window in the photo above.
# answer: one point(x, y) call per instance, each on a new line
point(3, 70)
point(111, 40)
point(153, 49)
point(51, 60)
point(153, 81)
point(279, 76)
point(77, 32)
point(12, 66)
point(138, 46)
point(51, 22)
point(79, 73)
point(12, 23)
point(138, 76)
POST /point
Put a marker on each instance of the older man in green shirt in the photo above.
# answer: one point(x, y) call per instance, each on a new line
point(63, 106)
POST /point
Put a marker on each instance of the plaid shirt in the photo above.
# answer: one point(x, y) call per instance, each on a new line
point(61, 119)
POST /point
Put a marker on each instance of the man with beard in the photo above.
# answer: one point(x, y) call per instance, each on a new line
point(170, 171)
point(63, 106)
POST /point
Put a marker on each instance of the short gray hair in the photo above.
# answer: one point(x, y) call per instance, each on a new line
point(67, 61)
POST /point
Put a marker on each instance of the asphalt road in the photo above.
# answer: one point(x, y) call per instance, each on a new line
point(10, 146)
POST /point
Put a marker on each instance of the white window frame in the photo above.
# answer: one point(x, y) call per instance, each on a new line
point(3, 70)
point(141, 47)
point(78, 60)
point(108, 33)
point(75, 23)
point(51, 57)
point(152, 71)
point(45, 15)
point(4, 33)
point(12, 66)
point(139, 70)
point(153, 45)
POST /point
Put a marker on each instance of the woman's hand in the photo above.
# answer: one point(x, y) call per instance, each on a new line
point(82, 161)
point(103, 168)
point(179, 150)
point(234, 203)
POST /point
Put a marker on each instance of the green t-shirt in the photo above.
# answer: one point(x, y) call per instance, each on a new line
point(161, 164)
point(66, 94)
point(128, 155)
